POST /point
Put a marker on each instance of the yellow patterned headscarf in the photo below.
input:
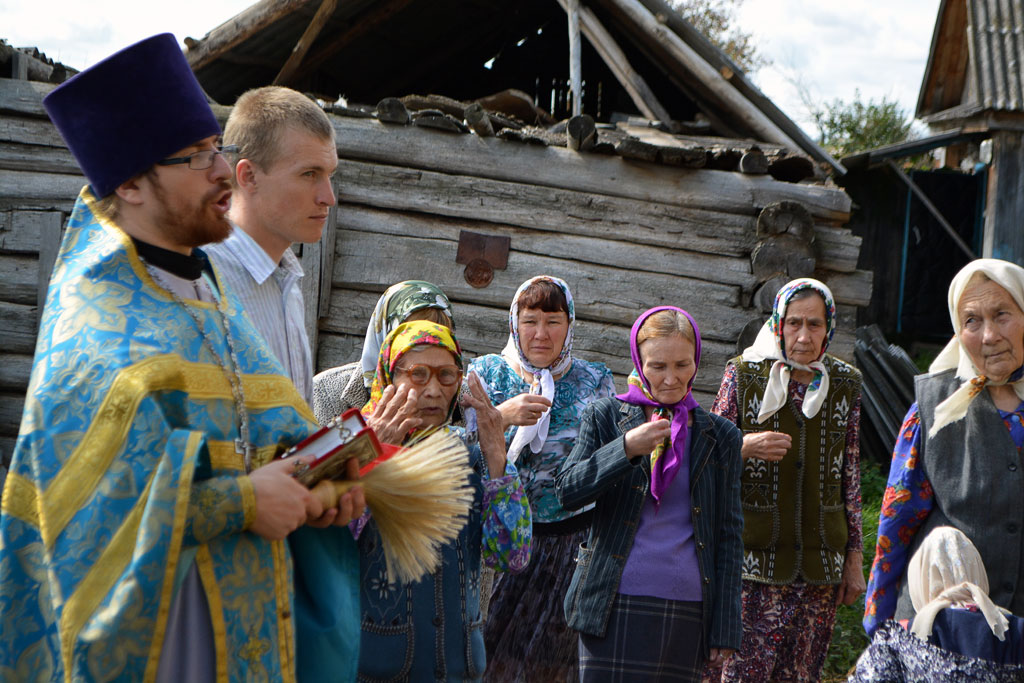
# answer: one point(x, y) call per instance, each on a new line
point(398, 343)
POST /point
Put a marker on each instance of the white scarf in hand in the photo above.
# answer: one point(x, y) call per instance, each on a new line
point(542, 380)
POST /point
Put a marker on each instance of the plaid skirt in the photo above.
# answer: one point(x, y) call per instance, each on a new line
point(648, 639)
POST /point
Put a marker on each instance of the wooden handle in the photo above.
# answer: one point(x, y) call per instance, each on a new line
point(328, 491)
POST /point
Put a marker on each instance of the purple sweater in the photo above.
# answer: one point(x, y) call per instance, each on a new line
point(663, 560)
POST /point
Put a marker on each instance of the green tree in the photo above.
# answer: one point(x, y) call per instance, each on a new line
point(856, 126)
point(715, 19)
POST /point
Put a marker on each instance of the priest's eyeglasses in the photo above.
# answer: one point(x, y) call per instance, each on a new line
point(200, 161)
point(420, 375)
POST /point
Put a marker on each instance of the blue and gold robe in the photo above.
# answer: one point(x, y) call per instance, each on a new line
point(125, 468)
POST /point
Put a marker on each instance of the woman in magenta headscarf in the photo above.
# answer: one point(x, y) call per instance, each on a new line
point(656, 591)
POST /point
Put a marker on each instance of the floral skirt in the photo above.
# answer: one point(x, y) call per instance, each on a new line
point(526, 635)
point(786, 633)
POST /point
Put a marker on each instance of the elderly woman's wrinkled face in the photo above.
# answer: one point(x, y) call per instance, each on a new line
point(991, 329)
point(804, 329)
point(432, 372)
point(668, 366)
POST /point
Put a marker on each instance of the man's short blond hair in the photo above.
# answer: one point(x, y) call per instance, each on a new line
point(261, 116)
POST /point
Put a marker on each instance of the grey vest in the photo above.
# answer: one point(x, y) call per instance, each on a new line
point(978, 480)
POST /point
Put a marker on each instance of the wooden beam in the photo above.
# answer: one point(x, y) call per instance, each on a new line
point(309, 36)
point(361, 25)
point(572, 9)
point(493, 158)
point(641, 94)
point(711, 78)
point(238, 29)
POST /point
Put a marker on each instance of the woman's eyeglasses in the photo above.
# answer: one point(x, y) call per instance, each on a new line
point(447, 375)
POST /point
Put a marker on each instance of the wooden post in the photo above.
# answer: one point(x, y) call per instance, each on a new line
point(305, 42)
point(613, 56)
point(1004, 208)
point(575, 67)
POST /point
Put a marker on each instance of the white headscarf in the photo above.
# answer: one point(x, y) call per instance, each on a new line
point(947, 570)
point(543, 379)
point(1011, 278)
point(769, 345)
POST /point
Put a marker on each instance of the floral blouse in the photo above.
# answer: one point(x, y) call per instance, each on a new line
point(507, 527)
point(727, 405)
point(584, 383)
point(906, 504)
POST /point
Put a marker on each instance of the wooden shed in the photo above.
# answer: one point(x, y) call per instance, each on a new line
point(632, 216)
point(922, 226)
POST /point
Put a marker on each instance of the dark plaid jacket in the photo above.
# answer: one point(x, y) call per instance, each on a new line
point(597, 470)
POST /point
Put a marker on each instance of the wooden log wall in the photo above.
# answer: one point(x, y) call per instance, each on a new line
point(625, 234)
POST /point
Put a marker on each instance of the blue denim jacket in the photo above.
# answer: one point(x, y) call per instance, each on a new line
point(598, 470)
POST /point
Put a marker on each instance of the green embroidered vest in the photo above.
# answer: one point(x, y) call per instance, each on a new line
point(794, 516)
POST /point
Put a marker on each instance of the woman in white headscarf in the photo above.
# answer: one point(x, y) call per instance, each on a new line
point(957, 633)
point(541, 389)
point(798, 408)
point(957, 459)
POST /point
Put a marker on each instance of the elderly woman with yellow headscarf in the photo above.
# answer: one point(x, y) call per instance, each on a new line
point(431, 629)
point(958, 633)
point(957, 459)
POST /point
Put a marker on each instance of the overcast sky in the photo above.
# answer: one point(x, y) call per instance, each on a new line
point(833, 48)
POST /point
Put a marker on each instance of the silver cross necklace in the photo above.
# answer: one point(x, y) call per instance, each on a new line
point(229, 365)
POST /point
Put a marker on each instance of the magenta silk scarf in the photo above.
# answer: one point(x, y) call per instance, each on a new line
point(665, 461)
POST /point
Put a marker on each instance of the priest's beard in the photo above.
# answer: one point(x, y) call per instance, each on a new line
point(195, 223)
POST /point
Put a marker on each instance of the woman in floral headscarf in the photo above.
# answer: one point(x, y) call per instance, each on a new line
point(656, 588)
point(799, 410)
point(957, 458)
point(431, 630)
point(541, 391)
point(348, 386)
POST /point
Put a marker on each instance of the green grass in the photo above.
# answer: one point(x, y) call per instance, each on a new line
point(848, 637)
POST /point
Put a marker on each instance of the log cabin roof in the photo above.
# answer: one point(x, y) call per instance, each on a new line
point(366, 50)
point(976, 60)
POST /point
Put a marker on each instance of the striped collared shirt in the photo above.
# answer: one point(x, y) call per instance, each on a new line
point(272, 298)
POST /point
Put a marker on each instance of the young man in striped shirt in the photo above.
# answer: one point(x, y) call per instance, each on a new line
point(282, 195)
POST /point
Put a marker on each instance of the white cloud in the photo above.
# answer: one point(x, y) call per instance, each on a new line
point(835, 49)
point(82, 33)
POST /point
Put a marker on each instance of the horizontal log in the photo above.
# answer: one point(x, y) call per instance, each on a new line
point(17, 157)
point(30, 132)
point(837, 248)
point(11, 407)
point(20, 230)
point(563, 168)
point(28, 189)
point(849, 288)
point(373, 261)
point(623, 255)
point(19, 277)
point(545, 208)
point(23, 97)
point(15, 369)
point(18, 322)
